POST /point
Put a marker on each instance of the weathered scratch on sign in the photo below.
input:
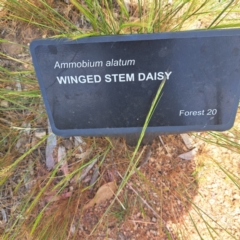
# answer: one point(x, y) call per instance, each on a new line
point(105, 85)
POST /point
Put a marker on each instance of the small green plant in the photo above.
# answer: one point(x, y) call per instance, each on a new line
point(120, 212)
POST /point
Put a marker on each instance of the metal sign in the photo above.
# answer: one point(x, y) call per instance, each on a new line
point(105, 85)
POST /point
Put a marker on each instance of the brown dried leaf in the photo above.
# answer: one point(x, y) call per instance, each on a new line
point(85, 171)
point(189, 155)
point(104, 193)
point(187, 140)
point(52, 197)
point(62, 160)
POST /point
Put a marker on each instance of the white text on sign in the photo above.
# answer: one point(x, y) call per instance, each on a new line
point(108, 78)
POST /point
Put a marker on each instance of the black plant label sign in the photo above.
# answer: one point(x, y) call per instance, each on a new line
point(105, 85)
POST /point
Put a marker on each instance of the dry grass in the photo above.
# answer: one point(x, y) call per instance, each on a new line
point(41, 204)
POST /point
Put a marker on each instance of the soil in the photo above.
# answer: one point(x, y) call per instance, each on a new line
point(159, 199)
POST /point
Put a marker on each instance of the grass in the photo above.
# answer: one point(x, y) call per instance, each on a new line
point(36, 214)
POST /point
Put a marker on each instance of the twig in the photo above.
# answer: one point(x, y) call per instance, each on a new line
point(6, 121)
point(27, 128)
point(62, 160)
point(138, 221)
point(4, 215)
point(18, 85)
point(160, 138)
point(146, 158)
point(94, 176)
point(87, 169)
point(79, 142)
point(145, 202)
